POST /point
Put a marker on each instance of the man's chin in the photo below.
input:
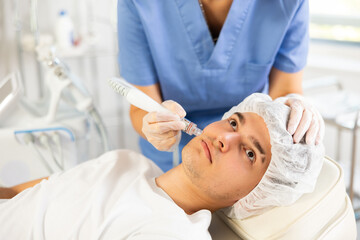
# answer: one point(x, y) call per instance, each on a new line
point(190, 161)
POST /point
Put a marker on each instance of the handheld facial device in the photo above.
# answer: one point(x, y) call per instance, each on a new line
point(144, 102)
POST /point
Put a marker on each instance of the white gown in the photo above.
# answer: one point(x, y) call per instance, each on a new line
point(112, 197)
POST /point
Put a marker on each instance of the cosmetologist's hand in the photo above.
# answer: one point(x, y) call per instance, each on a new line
point(304, 119)
point(163, 130)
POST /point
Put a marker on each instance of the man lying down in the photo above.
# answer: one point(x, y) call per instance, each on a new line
point(243, 165)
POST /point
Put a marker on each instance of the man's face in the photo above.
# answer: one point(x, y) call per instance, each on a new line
point(229, 159)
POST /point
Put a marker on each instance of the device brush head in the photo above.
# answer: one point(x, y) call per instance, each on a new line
point(119, 86)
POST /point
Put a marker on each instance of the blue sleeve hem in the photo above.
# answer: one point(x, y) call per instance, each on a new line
point(289, 68)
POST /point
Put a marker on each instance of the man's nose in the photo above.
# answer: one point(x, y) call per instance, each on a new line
point(226, 141)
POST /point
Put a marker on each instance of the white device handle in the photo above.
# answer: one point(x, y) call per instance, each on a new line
point(144, 102)
point(136, 97)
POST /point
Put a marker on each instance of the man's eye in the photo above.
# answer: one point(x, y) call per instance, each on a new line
point(250, 154)
point(233, 124)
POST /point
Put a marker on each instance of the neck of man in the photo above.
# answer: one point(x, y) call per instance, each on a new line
point(183, 192)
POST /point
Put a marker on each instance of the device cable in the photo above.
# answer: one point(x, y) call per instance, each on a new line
point(29, 140)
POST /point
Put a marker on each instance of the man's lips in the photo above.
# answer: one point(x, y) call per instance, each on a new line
point(206, 150)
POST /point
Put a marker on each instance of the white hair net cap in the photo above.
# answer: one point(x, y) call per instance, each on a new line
point(293, 168)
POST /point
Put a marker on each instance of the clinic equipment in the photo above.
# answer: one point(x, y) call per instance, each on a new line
point(144, 102)
point(64, 31)
point(326, 213)
point(32, 149)
point(64, 85)
point(10, 91)
point(40, 143)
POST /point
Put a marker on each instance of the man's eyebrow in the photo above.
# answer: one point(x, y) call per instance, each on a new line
point(240, 117)
point(259, 147)
point(254, 141)
point(257, 144)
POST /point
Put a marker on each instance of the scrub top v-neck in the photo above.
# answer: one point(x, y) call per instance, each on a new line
point(169, 42)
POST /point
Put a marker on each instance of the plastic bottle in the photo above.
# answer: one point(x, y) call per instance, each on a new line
point(64, 31)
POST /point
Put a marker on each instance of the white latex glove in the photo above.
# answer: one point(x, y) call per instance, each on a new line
point(304, 119)
point(163, 130)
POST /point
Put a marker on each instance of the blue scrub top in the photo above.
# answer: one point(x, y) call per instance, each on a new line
point(169, 42)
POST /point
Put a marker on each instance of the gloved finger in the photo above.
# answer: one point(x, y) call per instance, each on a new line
point(163, 127)
point(173, 143)
point(303, 126)
point(321, 132)
point(163, 137)
point(311, 134)
point(175, 108)
point(296, 114)
point(164, 144)
point(167, 144)
point(155, 117)
point(158, 136)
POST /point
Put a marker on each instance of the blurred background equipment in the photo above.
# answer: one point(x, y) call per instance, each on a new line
point(59, 55)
